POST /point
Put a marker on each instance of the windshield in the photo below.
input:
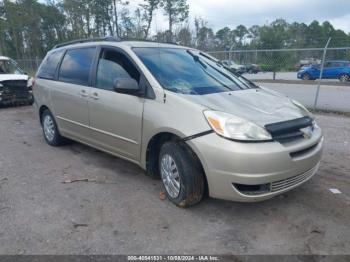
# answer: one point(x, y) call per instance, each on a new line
point(10, 67)
point(189, 71)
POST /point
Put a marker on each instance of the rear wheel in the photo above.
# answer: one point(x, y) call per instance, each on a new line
point(344, 78)
point(50, 130)
point(181, 174)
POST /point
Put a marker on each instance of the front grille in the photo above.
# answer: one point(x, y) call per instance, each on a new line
point(291, 181)
point(290, 130)
point(256, 190)
point(15, 89)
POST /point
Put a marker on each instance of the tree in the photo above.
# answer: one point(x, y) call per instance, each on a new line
point(149, 7)
point(116, 14)
point(184, 36)
point(240, 32)
point(274, 37)
point(176, 10)
point(29, 28)
point(205, 39)
point(225, 38)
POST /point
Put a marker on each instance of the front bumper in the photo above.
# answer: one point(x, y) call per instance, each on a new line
point(270, 167)
point(10, 99)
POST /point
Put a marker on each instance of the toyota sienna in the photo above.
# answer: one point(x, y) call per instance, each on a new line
point(181, 115)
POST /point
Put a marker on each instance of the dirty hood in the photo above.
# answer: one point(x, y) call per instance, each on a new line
point(261, 106)
point(4, 77)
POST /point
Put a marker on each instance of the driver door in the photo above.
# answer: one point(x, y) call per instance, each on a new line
point(115, 118)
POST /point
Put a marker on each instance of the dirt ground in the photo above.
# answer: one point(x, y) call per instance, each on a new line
point(121, 212)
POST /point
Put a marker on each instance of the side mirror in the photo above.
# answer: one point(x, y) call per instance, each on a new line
point(126, 86)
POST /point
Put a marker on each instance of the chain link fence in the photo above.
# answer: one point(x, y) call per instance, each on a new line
point(295, 72)
point(281, 61)
point(29, 65)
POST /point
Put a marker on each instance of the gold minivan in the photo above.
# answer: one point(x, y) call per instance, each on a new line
point(181, 115)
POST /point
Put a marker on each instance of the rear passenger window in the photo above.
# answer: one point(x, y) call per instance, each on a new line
point(48, 68)
point(76, 65)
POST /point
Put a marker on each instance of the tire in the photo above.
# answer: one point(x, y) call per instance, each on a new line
point(344, 78)
point(50, 130)
point(187, 171)
point(306, 77)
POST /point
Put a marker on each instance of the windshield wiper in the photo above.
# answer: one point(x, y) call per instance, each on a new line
point(205, 66)
point(218, 62)
point(196, 58)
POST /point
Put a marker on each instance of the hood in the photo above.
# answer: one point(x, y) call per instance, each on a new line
point(236, 66)
point(4, 77)
point(260, 106)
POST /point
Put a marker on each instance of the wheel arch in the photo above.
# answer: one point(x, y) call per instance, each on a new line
point(41, 111)
point(153, 150)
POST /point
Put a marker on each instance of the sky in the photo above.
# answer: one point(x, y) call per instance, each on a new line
point(221, 13)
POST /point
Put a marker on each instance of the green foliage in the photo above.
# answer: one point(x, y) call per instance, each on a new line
point(29, 28)
point(176, 11)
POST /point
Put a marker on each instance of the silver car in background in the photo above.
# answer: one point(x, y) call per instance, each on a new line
point(179, 114)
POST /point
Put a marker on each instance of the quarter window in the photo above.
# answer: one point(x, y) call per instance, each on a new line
point(76, 66)
point(49, 66)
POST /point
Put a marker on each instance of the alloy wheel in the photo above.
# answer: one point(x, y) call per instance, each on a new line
point(49, 128)
point(170, 175)
point(344, 78)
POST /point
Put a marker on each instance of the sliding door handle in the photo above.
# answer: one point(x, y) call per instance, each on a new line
point(94, 96)
point(83, 93)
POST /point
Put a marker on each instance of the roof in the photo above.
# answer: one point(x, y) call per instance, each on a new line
point(149, 44)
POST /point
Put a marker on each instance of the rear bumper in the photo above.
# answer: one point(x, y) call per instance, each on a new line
point(269, 168)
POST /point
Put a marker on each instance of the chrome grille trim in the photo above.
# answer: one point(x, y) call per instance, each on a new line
point(291, 181)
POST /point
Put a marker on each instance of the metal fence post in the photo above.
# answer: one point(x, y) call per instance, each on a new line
point(230, 52)
point(321, 73)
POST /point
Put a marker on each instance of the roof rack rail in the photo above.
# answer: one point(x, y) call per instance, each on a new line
point(79, 41)
point(147, 40)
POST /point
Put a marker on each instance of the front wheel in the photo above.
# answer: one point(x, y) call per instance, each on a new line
point(181, 174)
point(344, 78)
point(306, 77)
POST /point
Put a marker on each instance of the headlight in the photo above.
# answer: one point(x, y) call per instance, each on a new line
point(236, 128)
